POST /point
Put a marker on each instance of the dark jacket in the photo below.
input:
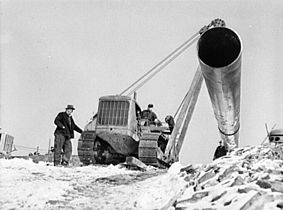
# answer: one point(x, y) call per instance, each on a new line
point(219, 152)
point(170, 121)
point(64, 127)
point(150, 115)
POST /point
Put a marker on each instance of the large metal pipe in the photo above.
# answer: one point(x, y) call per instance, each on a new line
point(219, 52)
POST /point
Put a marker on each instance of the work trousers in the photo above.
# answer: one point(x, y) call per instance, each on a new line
point(62, 149)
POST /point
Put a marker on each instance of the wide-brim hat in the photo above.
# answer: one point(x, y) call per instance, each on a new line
point(70, 107)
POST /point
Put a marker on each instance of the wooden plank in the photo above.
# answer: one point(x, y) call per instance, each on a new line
point(132, 161)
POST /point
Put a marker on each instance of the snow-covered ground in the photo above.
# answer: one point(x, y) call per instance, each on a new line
point(248, 178)
point(27, 185)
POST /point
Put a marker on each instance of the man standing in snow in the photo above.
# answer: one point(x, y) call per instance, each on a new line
point(220, 151)
point(63, 135)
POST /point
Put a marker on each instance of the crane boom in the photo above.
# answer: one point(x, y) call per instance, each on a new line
point(219, 51)
point(189, 114)
point(172, 56)
point(176, 139)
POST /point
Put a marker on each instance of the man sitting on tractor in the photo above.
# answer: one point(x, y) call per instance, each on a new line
point(150, 115)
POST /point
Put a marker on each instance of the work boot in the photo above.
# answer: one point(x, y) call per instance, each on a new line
point(64, 163)
point(57, 164)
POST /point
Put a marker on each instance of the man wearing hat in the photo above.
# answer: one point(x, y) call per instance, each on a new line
point(63, 134)
point(220, 151)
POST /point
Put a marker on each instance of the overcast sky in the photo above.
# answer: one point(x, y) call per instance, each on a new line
point(55, 53)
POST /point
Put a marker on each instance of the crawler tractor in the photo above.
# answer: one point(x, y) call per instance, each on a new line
point(117, 130)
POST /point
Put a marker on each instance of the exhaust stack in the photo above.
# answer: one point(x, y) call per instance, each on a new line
point(219, 52)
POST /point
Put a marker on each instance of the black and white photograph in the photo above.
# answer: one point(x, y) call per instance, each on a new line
point(141, 104)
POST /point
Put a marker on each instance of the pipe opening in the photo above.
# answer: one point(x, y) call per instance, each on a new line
point(219, 47)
